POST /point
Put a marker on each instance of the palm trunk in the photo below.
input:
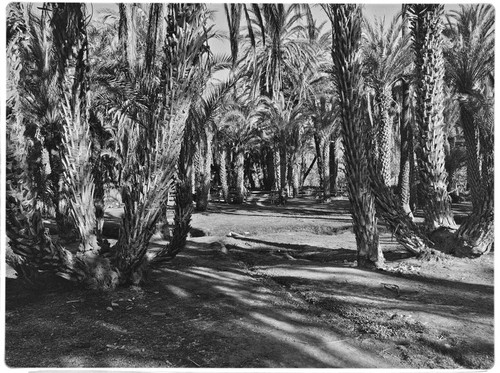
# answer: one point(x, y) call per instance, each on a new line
point(318, 145)
point(406, 163)
point(240, 175)
point(296, 167)
point(429, 70)
point(183, 210)
point(384, 135)
point(326, 170)
point(258, 175)
point(223, 174)
point(334, 166)
point(471, 136)
point(282, 163)
point(346, 33)
point(476, 236)
point(203, 192)
point(277, 167)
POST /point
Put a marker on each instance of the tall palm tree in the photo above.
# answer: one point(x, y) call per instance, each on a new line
point(29, 237)
point(346, 37)
point(469, 64)
point(427, 41)
point(150, 131)
point(240, 129)
point(204, 113)
point(386, 57)
point(324, 111)
point(475, 236)
point(278, 58)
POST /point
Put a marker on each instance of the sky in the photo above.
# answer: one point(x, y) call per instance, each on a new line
point(371, 10)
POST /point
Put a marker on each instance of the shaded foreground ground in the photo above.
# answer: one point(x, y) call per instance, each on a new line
point(283, 292)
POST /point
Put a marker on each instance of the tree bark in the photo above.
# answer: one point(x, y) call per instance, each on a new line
point(203, 192)
point(426, 27)
point(407, 161)
point(240, 175)
point(471, 136)
point(384, 134)
point(223, 174)
point(334, 165)
point(346, 34)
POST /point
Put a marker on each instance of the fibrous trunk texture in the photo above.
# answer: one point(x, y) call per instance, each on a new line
point(346, 34)
point(471, 136)
point(407, 161)
point(223, 174)
point(334, 165)
point(426, 30)
point(384, 134)
point(240, 175)
point(203, 192)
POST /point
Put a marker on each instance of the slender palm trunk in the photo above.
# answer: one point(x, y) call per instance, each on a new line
point(318, 145)
point(277, 167)
point(406, 163)
point(223, 173)
point(326, 170)
point(240, 175)
point(283, 164)
point(296, 167)
point(334, 166)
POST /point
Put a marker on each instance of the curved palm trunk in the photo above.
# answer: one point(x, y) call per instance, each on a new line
point(429, 70)
point(346, 32)
point(407, 161)
point(318, 145)
point(476, 236)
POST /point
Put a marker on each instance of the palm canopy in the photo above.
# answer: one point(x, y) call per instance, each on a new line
point(239, 125)
point(385, 52)
point(470, 53)
point(281, 50)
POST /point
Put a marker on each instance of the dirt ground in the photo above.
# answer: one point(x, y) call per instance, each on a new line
point(264, 286)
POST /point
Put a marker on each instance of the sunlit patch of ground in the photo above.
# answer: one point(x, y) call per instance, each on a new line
point(283, 292)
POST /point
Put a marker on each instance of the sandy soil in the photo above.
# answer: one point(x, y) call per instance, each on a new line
point(266, 286)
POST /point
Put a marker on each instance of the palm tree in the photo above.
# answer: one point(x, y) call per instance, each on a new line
point(469, 64)
point(28, 236)
point(204, 114)
point(346, 38)
point(386, 57)
point(278, 58)
point(150, 132)
point(239, 129)
point(324, 113)
point(426, 32)
point(475, 237)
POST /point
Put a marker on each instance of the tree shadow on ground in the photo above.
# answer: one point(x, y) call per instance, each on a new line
point(207, 310)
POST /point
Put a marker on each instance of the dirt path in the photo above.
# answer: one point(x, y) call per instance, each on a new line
point(285, 293)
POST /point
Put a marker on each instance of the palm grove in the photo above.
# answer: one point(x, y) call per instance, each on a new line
point(129, 101)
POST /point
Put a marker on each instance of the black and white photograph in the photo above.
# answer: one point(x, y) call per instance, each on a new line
point(247, 186)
